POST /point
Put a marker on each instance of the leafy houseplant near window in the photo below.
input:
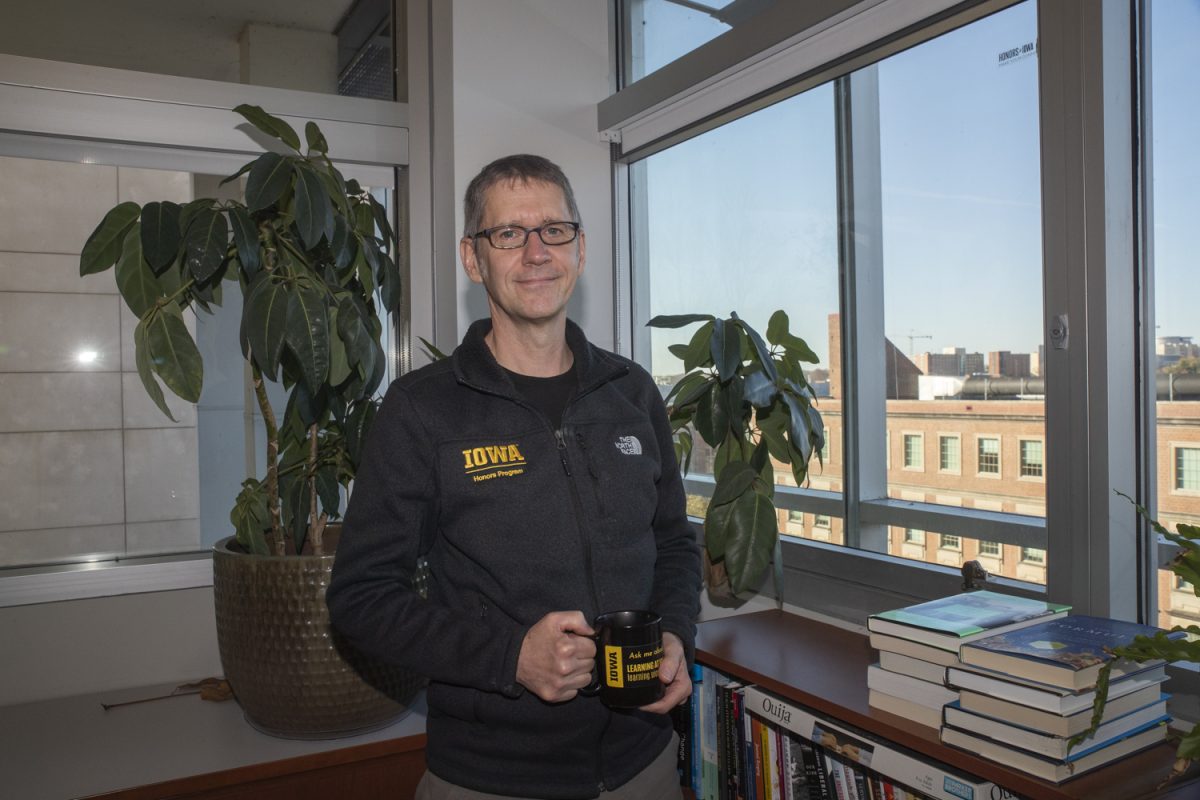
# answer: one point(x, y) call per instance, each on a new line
point(307, 251)
point(1166, 645)
point(749, 400)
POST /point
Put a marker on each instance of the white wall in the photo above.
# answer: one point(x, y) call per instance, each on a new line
point(527, 77)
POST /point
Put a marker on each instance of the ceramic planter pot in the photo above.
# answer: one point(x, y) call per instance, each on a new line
point(293, 675)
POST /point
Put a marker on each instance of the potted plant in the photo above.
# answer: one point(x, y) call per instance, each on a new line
point(750, 401)
point(1178, 644)
point(311, 254)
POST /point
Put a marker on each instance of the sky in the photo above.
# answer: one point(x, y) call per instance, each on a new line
point(752, 204)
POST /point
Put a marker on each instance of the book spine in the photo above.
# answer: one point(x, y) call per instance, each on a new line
point(773, 743)
point(812, 771)
point(836, 779)
point(722, 692)
point(708, 742)
point(760, 775)
point(697, 727)
point(681, 719)
point(930, 778)
point(750, 768)
point(738, 746)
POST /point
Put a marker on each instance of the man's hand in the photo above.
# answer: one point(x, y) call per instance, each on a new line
point(673, 672)
point(557, 657)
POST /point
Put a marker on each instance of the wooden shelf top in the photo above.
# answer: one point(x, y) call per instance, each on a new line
point(824, 668)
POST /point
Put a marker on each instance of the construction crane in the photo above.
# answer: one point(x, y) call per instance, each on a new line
point(912, 339)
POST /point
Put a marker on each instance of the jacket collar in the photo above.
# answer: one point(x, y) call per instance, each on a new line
point(475, 365)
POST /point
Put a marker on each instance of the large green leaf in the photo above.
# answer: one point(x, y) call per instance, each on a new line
point(726, 349)
point(761, 350)
point(798, 349)
point(690, 387)
point(314, 213)
point(777, 327)
point(161, 235)
point(205, 243)
point(381, 218)
point(141, 355)
point(699, 349)
point(358, 424)
point(799, 427)
point(342, 244)
point(760, 390)
point(339, 361)
point(750, 534)
point(245, 236)
point(264, 321)
point(272, 126)
point(307, 335)
point(711, 420)
point(135, 280)
point(354, 333)
point(735, 480)
point(269, 176)
point(328, 490)
point(677, 321)
point(389, 283)
point(316, 139)
point(101, 249)
point(173, 354)
point(251, 516)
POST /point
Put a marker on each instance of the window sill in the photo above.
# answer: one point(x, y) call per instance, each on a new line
point(29, 586)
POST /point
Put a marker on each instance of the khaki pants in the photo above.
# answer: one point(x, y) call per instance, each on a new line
point(659, 781)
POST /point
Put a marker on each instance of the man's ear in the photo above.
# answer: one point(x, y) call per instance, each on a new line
point(470, 262)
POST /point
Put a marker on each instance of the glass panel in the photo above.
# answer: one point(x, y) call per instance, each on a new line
point(1031, 458)
point(333, 47)
point(949, 453)
point(914, 447)
point(90, 469)
point(659, 31)
point(1174, 128)
point(761, 196)
point(960, 166)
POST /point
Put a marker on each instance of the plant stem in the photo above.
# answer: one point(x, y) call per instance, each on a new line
point(317, 523)
point(264, 405)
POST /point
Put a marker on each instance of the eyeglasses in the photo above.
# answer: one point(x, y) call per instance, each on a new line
point(510, 237)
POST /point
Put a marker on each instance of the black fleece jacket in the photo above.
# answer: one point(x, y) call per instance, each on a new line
point(517, 520)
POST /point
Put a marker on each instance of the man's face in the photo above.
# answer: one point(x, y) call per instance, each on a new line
point(531, 284)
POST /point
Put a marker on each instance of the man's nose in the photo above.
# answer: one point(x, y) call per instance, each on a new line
point(535, 249)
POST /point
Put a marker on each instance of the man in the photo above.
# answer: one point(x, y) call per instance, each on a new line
point(537, 473)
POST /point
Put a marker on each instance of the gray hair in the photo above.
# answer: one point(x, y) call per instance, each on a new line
point(521, 168)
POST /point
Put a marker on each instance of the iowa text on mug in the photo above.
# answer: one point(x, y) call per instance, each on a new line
point(493, 461)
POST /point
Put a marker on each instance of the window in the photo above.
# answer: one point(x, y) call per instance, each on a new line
point(660, 31)
point(989, 549)
point(1187, 469)
point(1033, 555)
point(949, 454)
point(914, 451)
point(821, 521)
point(795, 517)
point(942, 186)
point(1031, 458)
point(989, 455)
point(948, 542)
point(914, 536)
point(1172, 127)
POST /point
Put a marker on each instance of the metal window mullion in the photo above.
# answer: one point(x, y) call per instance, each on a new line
point(1088, 245)
point(860, 255)
point(969, 523)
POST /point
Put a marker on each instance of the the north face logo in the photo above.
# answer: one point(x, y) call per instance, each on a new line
point(629, 445)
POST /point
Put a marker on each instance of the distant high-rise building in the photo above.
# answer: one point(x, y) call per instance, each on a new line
point(952, 361)
point(1011, 365)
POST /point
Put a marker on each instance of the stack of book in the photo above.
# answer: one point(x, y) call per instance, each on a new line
point(918, 643)
point(1025, 693)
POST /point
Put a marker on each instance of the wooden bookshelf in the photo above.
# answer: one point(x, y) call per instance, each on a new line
point(824, 668)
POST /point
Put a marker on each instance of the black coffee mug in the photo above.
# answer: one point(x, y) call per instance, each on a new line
point(629, 650)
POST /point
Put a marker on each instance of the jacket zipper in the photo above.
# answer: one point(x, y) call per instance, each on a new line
point(587, 562)
point(561, 439)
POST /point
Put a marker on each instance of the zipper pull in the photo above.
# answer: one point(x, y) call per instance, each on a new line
point(562, 451)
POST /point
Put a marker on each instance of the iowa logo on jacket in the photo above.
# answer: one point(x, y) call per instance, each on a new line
point(493, 461)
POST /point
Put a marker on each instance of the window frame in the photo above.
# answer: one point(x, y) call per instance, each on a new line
point(1021, 465)
point(1176, 448)
point(75, 112)
point(957, 438)
point(980, 438)
point(906, 463)
point(1087, 234)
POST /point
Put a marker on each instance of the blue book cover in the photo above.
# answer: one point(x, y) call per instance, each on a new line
point(1067, 652)
point(966, 614)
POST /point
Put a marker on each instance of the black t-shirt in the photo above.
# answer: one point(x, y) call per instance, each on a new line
point(548, 395)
